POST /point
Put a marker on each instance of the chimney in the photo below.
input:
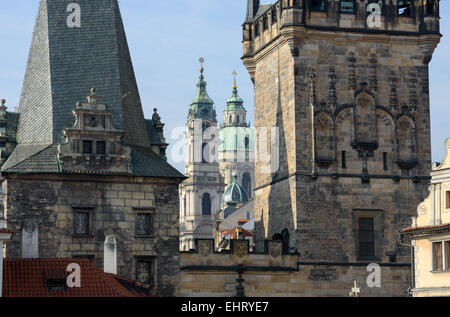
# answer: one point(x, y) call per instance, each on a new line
point(5, 235)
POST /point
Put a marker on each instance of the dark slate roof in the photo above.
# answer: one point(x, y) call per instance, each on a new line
point(64, 63)
point(145, 162)
point(43, 159)
point(262, 9)
point(33, 158)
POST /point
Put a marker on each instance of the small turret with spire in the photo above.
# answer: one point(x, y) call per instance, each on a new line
point(235, 113)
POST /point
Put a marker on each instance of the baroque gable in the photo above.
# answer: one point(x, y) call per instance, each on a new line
point(92, 143)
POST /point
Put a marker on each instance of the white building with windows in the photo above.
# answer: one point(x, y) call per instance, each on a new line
point(214, 158)
point(430, 235)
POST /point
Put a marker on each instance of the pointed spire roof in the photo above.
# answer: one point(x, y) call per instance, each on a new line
point(66, 61)
point(235, 102)
point(202, 107)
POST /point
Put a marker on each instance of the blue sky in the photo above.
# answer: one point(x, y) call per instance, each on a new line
point(166, 39)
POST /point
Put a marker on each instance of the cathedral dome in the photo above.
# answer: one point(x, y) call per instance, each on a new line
point(236, 139)
point(234, 194)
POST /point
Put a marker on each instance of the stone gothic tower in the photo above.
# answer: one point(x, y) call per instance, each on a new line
point(346, 83)
point(201, 193)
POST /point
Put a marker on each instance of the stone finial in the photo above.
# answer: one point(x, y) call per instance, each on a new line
point(201, 60)
point(93, 98)
point(156, 117)
point(3, 101)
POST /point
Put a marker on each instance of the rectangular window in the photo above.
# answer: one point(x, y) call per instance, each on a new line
point(101, 147)
point(437, 256)
point(344, 160)
point(447, 200)
point(274, 16)
point(144, 271)
point(385, 162)
point(256, 26)
point(430, 5)
point(143, 224)
point(318, 5)
point(366, 237)
point(347, 6)
point(82, 223)
point(87, 147)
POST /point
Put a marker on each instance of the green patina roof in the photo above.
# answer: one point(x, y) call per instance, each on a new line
point(234, 194)
point(202, 107)
point(235, 102)
point(233, 139)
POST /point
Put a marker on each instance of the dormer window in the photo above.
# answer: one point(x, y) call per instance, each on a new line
point(87, 147)
point(101, 147)
point(318, 5)
point(404, 8)
point(347, 6)
point(56, 285)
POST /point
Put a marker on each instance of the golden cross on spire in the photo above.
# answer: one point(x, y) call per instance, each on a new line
point(234, 75)
point(201, 60)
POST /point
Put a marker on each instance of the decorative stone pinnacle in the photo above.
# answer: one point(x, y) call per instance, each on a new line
point(93, 98)
point(3, 101)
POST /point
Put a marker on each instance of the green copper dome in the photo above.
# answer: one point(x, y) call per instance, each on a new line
point(234, 194)
point(235, 102)
point(236, 139)
point(202, 107)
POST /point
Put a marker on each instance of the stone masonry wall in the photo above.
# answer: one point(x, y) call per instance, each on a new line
point(272, 274)
point(50, 201)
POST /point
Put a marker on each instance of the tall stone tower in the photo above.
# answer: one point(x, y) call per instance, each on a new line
point(346, 83)
point(87, 177)
point(236, 148)
point(201, 193)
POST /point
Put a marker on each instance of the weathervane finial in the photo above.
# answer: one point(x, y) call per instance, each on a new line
point(234, 75)
point(201, 60)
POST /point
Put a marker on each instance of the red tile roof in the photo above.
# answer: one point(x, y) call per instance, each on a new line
point(6, 230)
point(233, 233)
point(411, 229)
point(29, 277)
